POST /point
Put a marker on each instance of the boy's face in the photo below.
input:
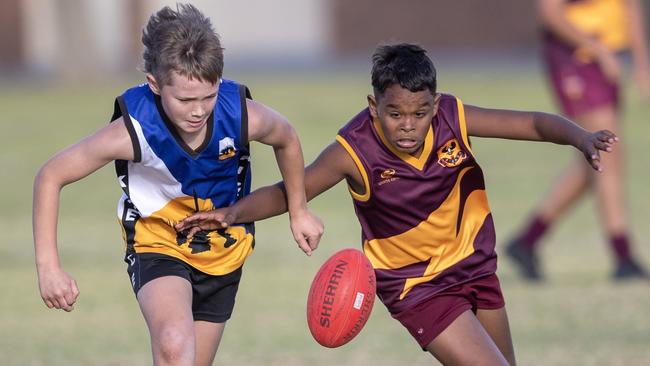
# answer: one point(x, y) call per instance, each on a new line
point(404, 116)
point(187, 102)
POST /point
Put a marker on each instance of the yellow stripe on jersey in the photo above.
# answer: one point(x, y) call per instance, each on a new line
point(156, 234)
point(434, 239)
point(417, 163)
point(366, 182)
point(605, 19)
point(463, 125)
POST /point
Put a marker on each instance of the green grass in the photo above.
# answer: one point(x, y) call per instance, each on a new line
point(577, 317)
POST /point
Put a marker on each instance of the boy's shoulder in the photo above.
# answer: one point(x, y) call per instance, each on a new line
point(361, 119)
point(449, 105)
point(227, 85)
point(138, 90)
point(447, 98)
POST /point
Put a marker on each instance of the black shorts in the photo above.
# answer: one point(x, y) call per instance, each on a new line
point(213, 297)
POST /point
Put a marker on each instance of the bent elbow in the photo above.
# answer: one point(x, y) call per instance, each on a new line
point(48, 174)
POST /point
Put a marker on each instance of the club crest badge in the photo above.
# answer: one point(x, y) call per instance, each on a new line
point(226, 148)
point(450, 154)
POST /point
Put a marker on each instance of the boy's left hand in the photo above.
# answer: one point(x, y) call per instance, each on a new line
point(595, 142)
point(307, 230)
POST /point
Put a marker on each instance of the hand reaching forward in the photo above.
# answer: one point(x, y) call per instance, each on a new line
point(594, 143)
point(216, 219)
point(306, 227)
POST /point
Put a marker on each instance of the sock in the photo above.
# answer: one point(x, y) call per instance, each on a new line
point(534, 231)
point(621, 247)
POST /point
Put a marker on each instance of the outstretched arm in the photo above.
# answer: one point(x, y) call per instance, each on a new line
point(57, 288)
point(332, 165)
point(538, 126)
point(269, 127)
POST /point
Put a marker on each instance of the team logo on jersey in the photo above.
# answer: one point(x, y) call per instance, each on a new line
point(388, 173)
point(226, 148)
point(450, 154)
point(201, 241)
point(387, 176)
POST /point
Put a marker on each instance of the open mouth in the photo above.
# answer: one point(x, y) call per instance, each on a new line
point(406, 143)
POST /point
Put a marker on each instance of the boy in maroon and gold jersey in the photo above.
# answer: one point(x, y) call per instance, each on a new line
point(420, 197)
point(581, 41)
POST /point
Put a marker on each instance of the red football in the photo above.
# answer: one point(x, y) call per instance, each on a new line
point(341, 298)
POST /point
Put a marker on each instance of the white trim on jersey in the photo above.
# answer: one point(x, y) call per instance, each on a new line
point(151, 185)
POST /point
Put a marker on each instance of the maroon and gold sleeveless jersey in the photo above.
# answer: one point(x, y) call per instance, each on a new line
point(426, 225)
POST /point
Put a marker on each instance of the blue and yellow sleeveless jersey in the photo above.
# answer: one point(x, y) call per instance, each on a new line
point(426, 224)
point(167, 181)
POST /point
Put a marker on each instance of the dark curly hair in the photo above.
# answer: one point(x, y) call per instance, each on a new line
point(405, 64)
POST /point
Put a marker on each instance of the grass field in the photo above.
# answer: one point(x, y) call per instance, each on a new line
point(577, 317)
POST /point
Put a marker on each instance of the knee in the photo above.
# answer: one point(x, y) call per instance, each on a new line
point(175, 344)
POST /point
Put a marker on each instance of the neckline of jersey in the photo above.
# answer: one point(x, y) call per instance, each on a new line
point(177, 137)
point(417, 163)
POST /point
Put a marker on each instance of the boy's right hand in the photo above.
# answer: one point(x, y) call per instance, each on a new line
point(307, 230)
point(58, 289)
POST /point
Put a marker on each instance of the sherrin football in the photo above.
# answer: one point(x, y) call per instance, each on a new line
point(341, 298)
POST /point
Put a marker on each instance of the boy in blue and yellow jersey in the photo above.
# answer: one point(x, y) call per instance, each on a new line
point(181, 145)
point(581, 40)
point(419, 195)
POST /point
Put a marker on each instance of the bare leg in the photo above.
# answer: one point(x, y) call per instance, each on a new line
point(208, 337)
point(466, 342)
point(610, 197)
point(166, 304)
point(576, 178)
point(608, 184)
point(496, 324)
point(565, 191)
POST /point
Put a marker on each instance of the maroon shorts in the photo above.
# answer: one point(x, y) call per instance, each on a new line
point(429, 318)
point(578, 86)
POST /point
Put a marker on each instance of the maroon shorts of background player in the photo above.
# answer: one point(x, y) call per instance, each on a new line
point(579, 87)
point(428, 319)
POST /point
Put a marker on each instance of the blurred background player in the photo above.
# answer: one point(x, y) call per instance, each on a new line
point(420, 198)
point(181, 145)
point(581, 42)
